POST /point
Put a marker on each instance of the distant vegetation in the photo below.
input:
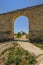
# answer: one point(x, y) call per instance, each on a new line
point(18, 35)
point(23, 33)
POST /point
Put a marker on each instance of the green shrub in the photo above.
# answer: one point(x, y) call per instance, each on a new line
point(18, 35)
point(19, 51)
point(20, 57)
point(10, 59)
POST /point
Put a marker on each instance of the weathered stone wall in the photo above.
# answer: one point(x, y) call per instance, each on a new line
point(35, 16)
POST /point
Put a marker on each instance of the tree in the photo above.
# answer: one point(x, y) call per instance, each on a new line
point(18, 35)
point(23, 33)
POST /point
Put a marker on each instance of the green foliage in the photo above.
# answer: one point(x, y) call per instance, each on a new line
point(17, 60)
point(23, 33)
point(18, 51)
point(18, 35)
point(10, 59)
point(20, 57)
point(31, 60)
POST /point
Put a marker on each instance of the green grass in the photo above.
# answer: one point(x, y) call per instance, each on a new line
point(18, 35)
point(20, 56)
point(40, 45)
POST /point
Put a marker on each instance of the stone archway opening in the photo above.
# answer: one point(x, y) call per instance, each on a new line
point(21, 27)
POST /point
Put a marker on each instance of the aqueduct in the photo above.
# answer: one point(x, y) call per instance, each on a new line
point(35, 15)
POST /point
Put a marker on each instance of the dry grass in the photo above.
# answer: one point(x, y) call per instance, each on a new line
point(40, 45)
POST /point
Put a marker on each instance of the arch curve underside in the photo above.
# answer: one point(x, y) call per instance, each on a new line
point(35, 16)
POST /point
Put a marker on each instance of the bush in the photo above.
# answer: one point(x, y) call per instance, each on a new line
point(23, 33)
point(18, 35)
point(10, 59)
point(20, 57)
point(17, 60)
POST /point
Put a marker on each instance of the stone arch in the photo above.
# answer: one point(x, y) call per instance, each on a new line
point(35, 15)
point(15, 17)
point(25, 18)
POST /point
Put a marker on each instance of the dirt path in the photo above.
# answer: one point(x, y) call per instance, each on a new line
point(5, 45)
point(32, 49)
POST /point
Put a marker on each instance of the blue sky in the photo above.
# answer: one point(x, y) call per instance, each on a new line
point(10, 5)
point(21, 24)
